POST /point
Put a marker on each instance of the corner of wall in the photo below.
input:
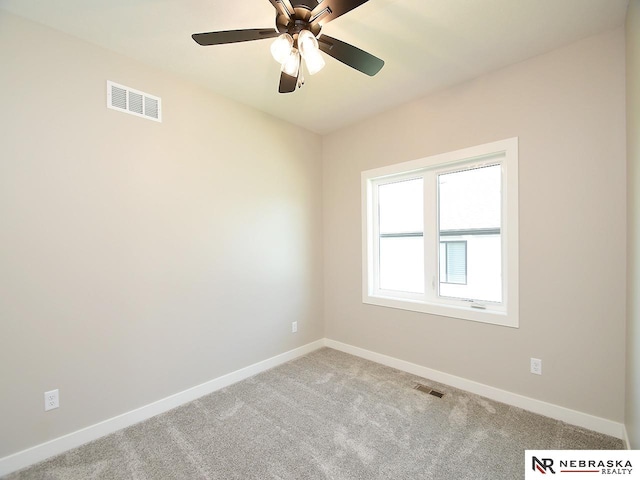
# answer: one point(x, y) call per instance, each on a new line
point(632, 384)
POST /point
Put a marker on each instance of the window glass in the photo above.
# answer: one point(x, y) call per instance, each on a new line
point(400, 207)
point(470, 199)
point(402, 264)
point(400, 227)
point(469, 211)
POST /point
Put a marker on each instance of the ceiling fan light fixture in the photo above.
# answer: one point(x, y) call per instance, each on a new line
point(281, 48)
point(307, 43)
point(314, 61)
point(291, 65)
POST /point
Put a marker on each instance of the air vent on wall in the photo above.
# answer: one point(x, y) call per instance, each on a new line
point(132, 101)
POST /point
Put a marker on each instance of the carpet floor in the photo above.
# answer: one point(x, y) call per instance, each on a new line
point(327, 415)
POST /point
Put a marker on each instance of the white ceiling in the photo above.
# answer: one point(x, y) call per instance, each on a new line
point(426, 44)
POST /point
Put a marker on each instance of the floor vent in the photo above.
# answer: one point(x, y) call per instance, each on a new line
point(429, 390)
point(128, 100)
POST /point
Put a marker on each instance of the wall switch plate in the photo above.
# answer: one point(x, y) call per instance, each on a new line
point(51, 400)
point(536, 366)
point(294, 327)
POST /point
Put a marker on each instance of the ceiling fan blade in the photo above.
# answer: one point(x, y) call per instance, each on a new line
point(331, 9)
point(288, 83)
point(350, 55)
point(283, 6)
point(234, 36)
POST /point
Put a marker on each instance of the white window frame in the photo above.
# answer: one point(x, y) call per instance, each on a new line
point(506, 313)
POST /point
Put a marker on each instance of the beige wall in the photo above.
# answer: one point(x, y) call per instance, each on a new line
point(139, 259)
point(632, 417)
point(568, 109)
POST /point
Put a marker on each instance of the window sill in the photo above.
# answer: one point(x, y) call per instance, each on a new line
point(488, 315)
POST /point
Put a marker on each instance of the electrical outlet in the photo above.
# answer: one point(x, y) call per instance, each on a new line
point(294, 327)
point(51, 400)
point(536, 366)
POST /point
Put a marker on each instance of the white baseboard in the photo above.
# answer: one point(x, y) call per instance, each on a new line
point(573, 417)
point(30, 456)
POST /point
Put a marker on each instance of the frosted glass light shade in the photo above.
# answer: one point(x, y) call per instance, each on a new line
point(281, 47)
point(314, 61)
point(307, 43)
point(291, 65)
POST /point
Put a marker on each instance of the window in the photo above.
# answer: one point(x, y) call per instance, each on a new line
point(440, 234)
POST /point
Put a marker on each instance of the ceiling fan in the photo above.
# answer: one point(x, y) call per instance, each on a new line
point(298, 31)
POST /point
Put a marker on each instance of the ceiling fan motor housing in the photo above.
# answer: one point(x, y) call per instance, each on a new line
point(300, 19)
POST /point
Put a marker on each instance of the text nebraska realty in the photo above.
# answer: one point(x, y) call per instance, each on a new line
point(606, 467)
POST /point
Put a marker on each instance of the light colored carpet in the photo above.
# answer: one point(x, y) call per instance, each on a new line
point(327, 415)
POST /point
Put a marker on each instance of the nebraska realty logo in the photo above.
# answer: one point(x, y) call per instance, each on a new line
point(582, 463)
